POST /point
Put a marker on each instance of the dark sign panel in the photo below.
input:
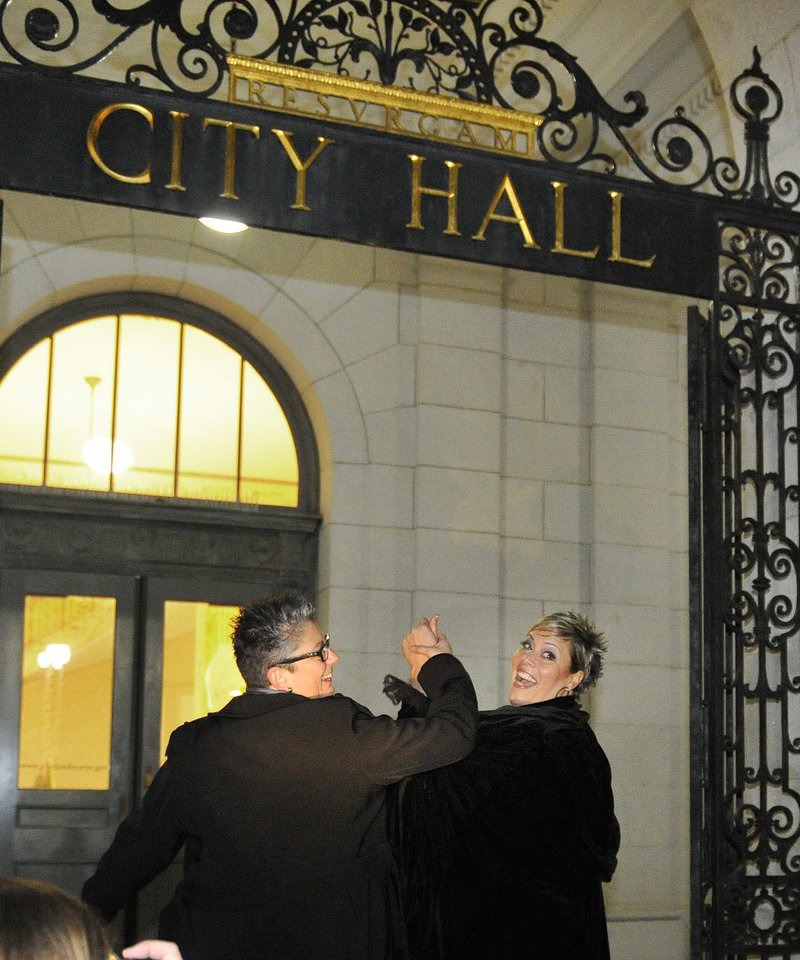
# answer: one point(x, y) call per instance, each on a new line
point(317, 175)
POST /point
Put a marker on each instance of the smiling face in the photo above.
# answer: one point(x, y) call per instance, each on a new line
point(312, 676)
point(542, 669)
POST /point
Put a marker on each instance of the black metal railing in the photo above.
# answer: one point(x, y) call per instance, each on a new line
point(493, 53)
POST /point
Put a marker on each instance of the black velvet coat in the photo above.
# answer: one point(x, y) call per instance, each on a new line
point(280, 801)
point(504, 852)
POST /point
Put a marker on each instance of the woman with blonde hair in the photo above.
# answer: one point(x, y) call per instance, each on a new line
point(505, 852)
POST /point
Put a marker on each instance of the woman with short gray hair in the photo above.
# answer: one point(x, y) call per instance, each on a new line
point(279, 800)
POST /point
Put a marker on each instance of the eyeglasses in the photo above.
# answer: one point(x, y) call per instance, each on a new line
point(322, 653)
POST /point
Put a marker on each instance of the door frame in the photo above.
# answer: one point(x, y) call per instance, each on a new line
point(78, 531)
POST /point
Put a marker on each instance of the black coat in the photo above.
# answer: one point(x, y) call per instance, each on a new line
point(280, 801)
point(505, 851)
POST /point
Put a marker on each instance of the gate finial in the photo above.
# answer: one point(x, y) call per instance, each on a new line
point(758, 100)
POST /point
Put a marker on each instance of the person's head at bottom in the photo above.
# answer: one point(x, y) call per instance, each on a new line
point(39, 921)
point(562, 655)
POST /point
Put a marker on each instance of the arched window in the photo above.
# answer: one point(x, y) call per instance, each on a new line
point(152, 397)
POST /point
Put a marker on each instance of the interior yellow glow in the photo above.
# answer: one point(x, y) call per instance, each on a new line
point(209, 418)
point(149, 353)
point(67, 680)
point(199, 421)
point(199, 674)
point(68, 675)
point(78, 412)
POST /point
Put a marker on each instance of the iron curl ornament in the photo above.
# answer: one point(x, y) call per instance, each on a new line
point(746, 891)
point(491, 53)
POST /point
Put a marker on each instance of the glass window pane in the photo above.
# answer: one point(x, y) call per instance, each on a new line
point(199, 673)
point(23, 416)
point(147, 403)
point(209, 420)
point(67, 680)
point(81, 403)
point(269, 459)
point(179, 394)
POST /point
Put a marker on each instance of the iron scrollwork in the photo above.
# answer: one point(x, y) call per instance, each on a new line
point(489, 53)
point(750, 859)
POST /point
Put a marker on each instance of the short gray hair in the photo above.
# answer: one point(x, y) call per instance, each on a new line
point(265, 633)
point(587, 644)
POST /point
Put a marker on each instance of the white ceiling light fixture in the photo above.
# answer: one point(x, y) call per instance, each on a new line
point(54, 655)
point(99, 453)
point(223, 226)
point(104, 457)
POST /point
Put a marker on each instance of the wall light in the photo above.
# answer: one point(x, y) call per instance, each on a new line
point(223, 226)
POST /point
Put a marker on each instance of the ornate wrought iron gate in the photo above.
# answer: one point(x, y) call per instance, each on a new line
point(744, 375)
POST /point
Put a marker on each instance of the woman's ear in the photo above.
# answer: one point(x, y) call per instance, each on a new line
point(575, 680)
point(279, 679)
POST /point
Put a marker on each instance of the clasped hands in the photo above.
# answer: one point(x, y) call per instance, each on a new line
point(424, 641)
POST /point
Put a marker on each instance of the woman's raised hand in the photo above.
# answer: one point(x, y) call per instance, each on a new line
point(423, 642)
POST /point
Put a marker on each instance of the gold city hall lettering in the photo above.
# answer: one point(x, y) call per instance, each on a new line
point(232, 130)
point(528, 201)
point(558, 246)
point(507, 194)
point(177, 149)
point(616, 234)
point(417, 190)
point(507, 188)
point(301, 166)
point(94, 132)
